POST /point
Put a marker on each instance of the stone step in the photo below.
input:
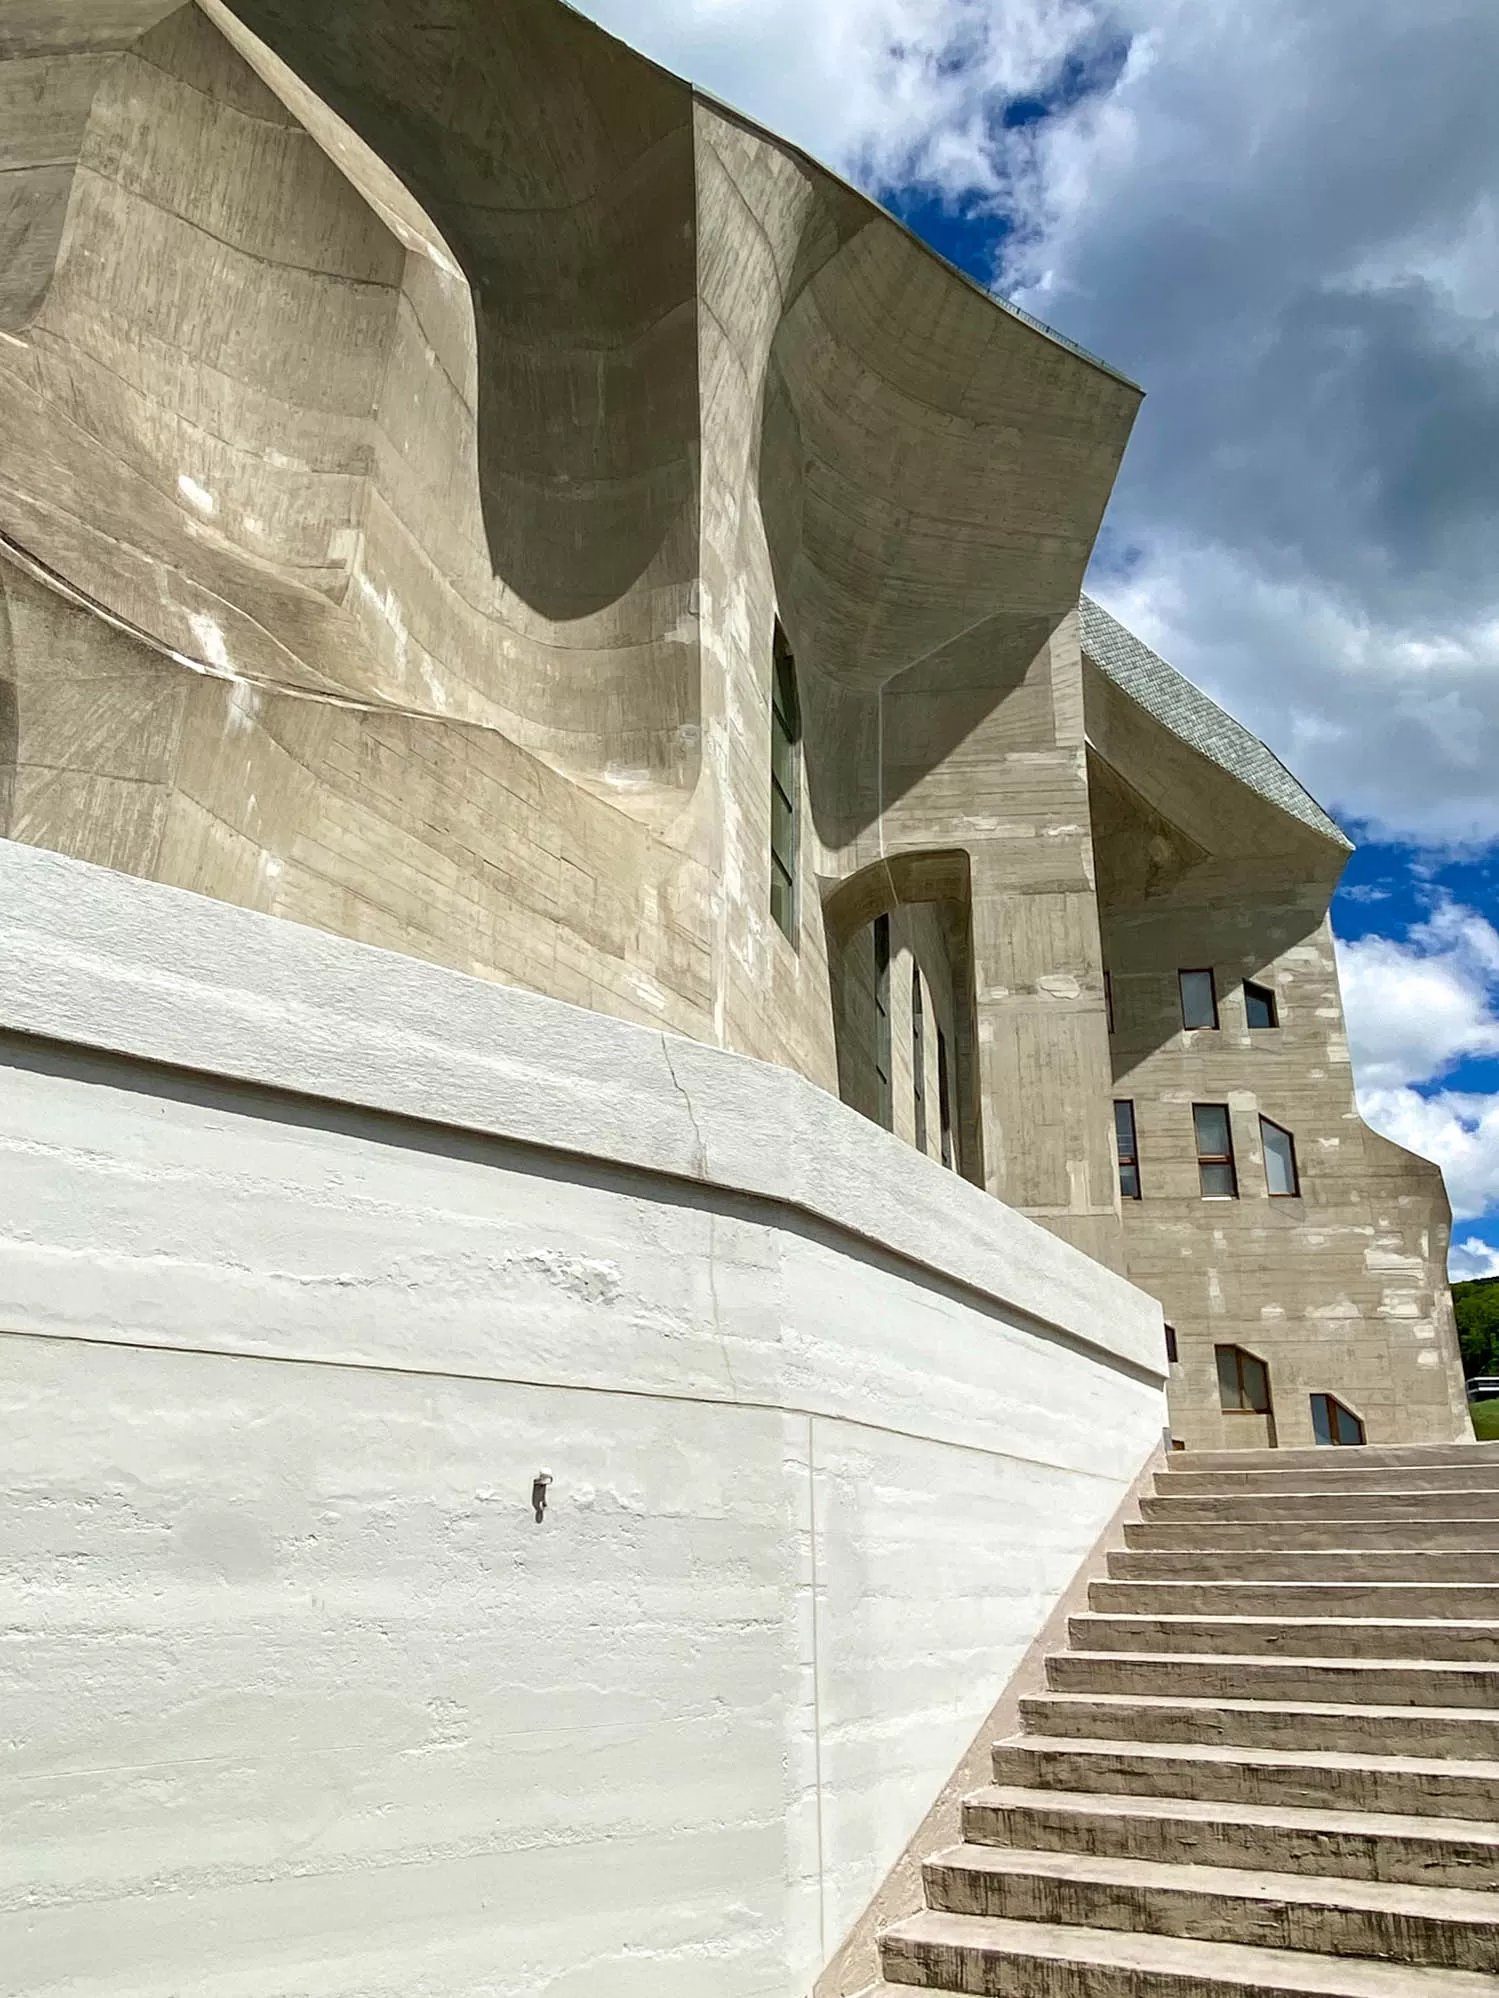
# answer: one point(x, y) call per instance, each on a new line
point(1004, 1959)
point(1294, 1778)
point(1465, 1602)
point(1369, 1456)
point(1365, 1564)
point(1229, 1676)
point(1370, 1507)
point(1422, 1851)
point(1482, 1475)
point(1473, 1535)
point(1470, 1734)
point(1450, 1642)
point(1448, 1928)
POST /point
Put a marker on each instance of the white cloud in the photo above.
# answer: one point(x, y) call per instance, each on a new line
point(1473, 1258)
point(1460, 1133)
point(1415, 1009)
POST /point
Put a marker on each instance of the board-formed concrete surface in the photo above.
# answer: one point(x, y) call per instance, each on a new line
point(312, 1257)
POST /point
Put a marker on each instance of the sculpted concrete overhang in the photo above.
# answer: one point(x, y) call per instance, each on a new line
point(357, 351)
point(1129, 667)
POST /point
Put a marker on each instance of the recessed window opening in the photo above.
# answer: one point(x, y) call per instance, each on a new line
point(1171, 1354)
point(1108, 1000)
point(1332, 1423)
point(1243, 1382)
point(918, 1057)
point(1259, 1006)
point(1129, 1157)
point(882, 1020)
point(1281, 1175)
point(1215, 1152)
point(785, 787)
point(1199, 997)
point(944, 1099)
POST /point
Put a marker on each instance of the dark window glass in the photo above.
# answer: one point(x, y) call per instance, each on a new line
point(1332, 1423)
point(882, 1019)
point(1129, 1157)
point(1243, 1381)
point(1199, 998)
point(1280, 1160)
point(1259, 1006)
point(1215, 1152)
point(944, 1099)
point(785, 788)
point(1171, 1345)
point(1108, 1000)
point(918, 1057)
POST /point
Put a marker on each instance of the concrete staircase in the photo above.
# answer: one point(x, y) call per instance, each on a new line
point(1267, 1766)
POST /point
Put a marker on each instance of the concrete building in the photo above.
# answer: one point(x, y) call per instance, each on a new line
point(540, 648)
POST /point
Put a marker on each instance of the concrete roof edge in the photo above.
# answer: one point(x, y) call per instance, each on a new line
point(727, 110)
point(1181, 706)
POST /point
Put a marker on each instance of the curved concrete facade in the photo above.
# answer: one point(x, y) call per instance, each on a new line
point(421, 425)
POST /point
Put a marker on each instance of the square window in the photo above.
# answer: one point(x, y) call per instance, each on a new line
point(1259, 1006)
point(1243, 1381)
point(1199, 997)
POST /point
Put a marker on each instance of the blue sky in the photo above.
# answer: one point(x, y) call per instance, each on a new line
point(1283, 221)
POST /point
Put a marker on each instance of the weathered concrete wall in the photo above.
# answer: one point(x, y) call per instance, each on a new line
point(1341, 1289)
point(310, 1257)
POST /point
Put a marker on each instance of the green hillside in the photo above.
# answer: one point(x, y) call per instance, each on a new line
point(1477, 1308)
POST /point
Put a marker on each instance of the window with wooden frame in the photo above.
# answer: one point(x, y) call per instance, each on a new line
point(1243, 1381)
point(1199, 998)
point(1129, 1155)
point(1281, 1175)
point(785, 785)
point(1260, 1009)
point(882, 1044)
point(1332, 1423)
point(918, 1057)
point(1215, 1152)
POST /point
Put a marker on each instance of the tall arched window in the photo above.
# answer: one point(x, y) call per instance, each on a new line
point(785, 789)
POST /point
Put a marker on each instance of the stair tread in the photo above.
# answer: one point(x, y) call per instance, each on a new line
point(1293, 1817)
point(1272, 1758)
point(1210, 1963)
point(1414, 1623)
point(1198, 1703)
point(1258, 1660)
point(1470, 1906)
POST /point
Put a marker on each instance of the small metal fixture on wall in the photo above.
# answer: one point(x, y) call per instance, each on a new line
point(539, 1494)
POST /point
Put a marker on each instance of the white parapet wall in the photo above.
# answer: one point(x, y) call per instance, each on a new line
point(311, 1258)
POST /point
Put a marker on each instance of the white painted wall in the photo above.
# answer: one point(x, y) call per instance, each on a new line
point(297, 1697)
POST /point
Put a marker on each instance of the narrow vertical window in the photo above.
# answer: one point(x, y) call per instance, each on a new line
point(1129, 1157)
point(1108, 1000)
point(882, 1019)
point(918, 1057)
point(1332, 1423)
point(1243, 1381)
point(785, 789)
point(1215, 1152)
point(1171, 1353)
point(1259, 1006)
point(944, 1098)
point(1199, 997)
point(1281, 1175)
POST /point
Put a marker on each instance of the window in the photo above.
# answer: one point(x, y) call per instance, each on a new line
point(1259, 1006)
point(1280, 1161)
point(1171, 1346)
point(1129, 1157)
point(1215, 1152)
point(1332, 1423)
point(1199, 998)
point(918, 1057)
point(785, 789)
point(882, 1019)
point(944, 1098)
point(1108, 1000)
point(1243, 1382)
